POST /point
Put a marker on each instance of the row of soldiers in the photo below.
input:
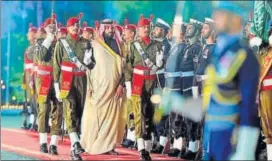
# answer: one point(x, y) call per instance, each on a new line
point(163, 58)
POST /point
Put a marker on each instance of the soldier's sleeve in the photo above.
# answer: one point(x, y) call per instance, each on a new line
point(58, 53)
point(130, 62)
point(248, 84)
point(41, 52)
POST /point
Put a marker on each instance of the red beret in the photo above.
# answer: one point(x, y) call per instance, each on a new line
point(32, 28)
point(41, 28)
point(51, 20)
point(144, 21)
point(62, 30)
point(86, 28)
point(130, 27)
point(119, 28)
point(71, 21)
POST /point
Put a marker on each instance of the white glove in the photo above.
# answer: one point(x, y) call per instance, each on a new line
point(159, 58)
point(48, 40)
point(57, 90)
point(31, 84)
point(128, 88)
point(255, 41)
point(87, 57)
point(247, 143)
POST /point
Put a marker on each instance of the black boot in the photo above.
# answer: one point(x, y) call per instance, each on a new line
point(144, 155)
point(53, 150)
point(127, 143)
point(75, 156)
point(43, 148)
point(182, 152)
point(158, 149)
point(78, 148)
point(174, 152)
point(189, 155)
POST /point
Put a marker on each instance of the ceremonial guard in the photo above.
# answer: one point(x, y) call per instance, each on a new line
point(71, 60)
point(40, 36)
point(45, 91)
point(128, 37)
point(145, 59)
point(265, 93)
point(27, 77)
point(204, 60)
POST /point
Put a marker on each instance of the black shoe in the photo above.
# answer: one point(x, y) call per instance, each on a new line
point(34, 128)
point(112, 152)
point(189, 155)
point(43, 148)
point(75, 156)
point(174, 152)
point(182, 152)
point(78, 148)
point(127, 143)
point(53, 150)
point(157, 150)
point(144, 155)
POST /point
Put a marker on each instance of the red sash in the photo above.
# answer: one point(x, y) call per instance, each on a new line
point(68, 71)
point(267, 83)
point(45, 75)
point(140, 74)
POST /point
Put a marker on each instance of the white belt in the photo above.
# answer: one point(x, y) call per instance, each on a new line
point(29, 66)
point(160, 71)
point(66, 68)
point(70, 69)
point(267, 82)
point(43, 72)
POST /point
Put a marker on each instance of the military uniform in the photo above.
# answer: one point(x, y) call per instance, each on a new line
point(27, 78)
point(265, 96)
point(143, 60)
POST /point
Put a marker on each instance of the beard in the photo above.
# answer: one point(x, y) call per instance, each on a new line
point(109, 35)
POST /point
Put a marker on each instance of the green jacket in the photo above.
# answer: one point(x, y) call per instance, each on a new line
point(60, 55)
point(135, 59)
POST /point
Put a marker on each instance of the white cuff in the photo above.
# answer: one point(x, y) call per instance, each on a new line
point(57, 88)
point(128, 88)
point(87, 57)
point(247, 140)
point(48, 41)
point(256, 41)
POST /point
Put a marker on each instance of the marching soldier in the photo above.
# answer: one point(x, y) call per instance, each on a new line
point(45, 91)
point(265, 94)
point(40, 36)
point(71, 60)
point(129, 34)
point(159, 33)
point(28, 65)
point(190, 62)
point(145, 59)
point(204, 60)
point(172, 83)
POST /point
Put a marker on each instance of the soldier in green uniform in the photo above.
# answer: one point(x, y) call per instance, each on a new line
point(145, 59)
point(71, 60)
point(45, 91)
point(28, 64)
point(128, 37)
point(40, 36)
